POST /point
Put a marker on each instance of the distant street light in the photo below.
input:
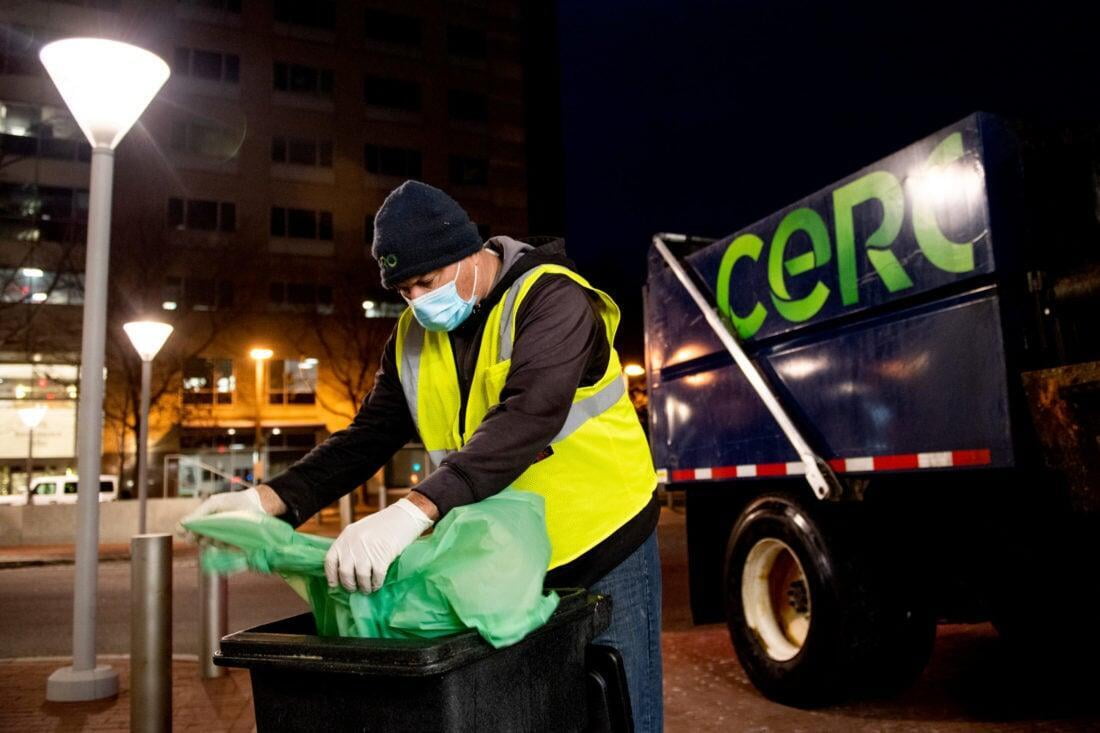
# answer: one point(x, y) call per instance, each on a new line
point(261, 356)
point(31, 417)
point(106, 86)
point(634, 370)
point(147, 338)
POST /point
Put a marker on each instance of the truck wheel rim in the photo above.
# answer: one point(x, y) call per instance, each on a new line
point(775, 596)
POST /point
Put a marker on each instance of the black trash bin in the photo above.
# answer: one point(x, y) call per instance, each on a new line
point(546, 682)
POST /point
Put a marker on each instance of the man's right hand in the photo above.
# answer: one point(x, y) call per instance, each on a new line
point(258, 499)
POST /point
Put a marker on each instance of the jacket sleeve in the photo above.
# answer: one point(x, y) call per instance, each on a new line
point(350, 456)
point(557, 331)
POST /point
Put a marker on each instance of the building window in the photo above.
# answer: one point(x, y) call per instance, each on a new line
point(30, 213)
point(302, 297)
point(197, 293)
point(301, 223)
point(469, 171)
point(368, 229)
point(208, 381)
point(392, 161)
point(382, 309)
point(466, 43)
point(205, 139)
point(202, 215)
point(29, 130)
point(392, 93)
point(207, 65)
point(392, 28)
point(299, 79)
point(299, 151)
point(319, 14)
point(19, 45)
point(229, 6)
point(32, 285)
point(467, 106)
point(292, 381)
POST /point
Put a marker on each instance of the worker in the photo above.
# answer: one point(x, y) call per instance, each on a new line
point(504, 365)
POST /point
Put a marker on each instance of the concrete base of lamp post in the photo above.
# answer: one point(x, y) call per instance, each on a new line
point(71, 685)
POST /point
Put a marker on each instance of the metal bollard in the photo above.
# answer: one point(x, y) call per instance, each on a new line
point(213, 617)
point(151, 632)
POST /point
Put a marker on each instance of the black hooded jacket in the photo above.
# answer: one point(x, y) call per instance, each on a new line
point(560, 345)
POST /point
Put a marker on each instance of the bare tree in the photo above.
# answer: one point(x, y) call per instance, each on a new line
point(350, 346)
point(145, 255)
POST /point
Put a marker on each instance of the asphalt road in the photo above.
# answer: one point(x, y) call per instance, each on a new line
point(36, 607)
point(972, 683)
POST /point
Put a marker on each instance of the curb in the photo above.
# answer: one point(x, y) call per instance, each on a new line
point(31, 561)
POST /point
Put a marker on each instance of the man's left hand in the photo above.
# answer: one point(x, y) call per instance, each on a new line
point(362, 554)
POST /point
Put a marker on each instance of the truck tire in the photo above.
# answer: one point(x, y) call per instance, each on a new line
point(812, 614)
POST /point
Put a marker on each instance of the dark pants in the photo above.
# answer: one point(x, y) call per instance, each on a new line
point(635, 589)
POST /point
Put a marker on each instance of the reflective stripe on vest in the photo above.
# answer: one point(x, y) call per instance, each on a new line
point(410, 362)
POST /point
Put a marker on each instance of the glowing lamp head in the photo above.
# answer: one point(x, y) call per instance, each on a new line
point(260, 354)
point(32, 416)
point(105, 84)
point(147, 337)
point(634, 370)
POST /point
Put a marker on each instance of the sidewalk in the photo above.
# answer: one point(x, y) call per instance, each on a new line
point(209, 706)
point(17, 556)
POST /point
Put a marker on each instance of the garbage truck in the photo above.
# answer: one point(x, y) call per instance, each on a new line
point(882, 404)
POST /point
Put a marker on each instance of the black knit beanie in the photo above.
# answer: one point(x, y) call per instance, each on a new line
point(418, 229)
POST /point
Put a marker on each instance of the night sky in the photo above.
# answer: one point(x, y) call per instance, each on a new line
point(703, 117)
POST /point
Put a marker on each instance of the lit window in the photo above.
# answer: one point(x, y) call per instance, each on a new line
point(292, 382)
point(208, 381)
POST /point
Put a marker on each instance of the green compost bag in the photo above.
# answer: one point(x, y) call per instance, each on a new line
point(482, 567)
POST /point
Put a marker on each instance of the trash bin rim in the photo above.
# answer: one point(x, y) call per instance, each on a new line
point(253, 648)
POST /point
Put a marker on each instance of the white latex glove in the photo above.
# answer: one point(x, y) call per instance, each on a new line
point(227, 501)
point(362, 553)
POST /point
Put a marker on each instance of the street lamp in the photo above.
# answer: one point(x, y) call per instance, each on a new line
point(634, 370)
point(147, 338)
point(261, 356)
point(106, 86)
point(31, 417)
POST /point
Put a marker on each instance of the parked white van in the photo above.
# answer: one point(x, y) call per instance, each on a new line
point(63, 489)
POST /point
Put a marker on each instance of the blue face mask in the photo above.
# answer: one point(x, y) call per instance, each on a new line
point(443, 309)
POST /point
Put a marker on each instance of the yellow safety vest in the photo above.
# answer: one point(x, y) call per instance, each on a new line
point(600, 473)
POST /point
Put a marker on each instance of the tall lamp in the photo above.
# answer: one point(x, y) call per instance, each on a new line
point(147, 337)
point(106, 85)
point(31, 417)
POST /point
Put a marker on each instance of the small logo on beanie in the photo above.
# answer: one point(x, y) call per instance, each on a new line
point(387, 262)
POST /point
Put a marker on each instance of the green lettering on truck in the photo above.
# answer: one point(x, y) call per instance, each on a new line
point(925, 190)
point(809, 221)
point(886, 188)
point(747, 245)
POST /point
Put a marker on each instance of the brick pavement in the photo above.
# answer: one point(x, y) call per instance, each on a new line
point(223, 704)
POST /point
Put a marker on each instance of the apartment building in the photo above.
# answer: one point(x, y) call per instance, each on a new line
point(243, 213)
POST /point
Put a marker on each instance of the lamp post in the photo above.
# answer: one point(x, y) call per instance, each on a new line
point(106, 85)
point(31, 417)
point(261, 356)
point(147, 338)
